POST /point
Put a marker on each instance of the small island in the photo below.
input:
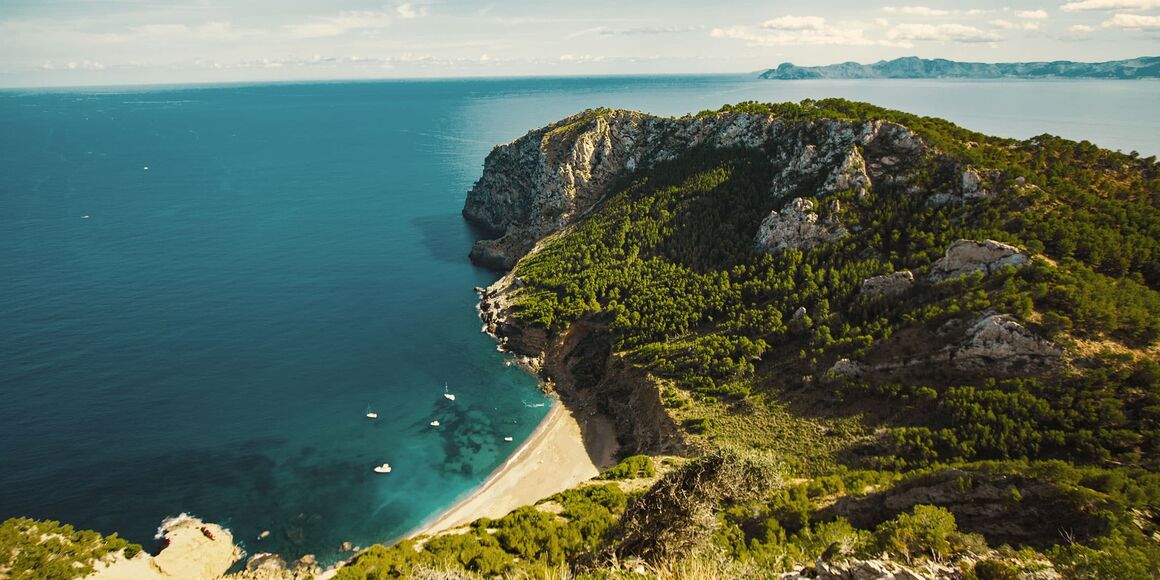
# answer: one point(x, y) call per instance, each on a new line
point(912, 67)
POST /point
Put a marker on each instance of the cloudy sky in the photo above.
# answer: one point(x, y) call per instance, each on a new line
point(76, 42)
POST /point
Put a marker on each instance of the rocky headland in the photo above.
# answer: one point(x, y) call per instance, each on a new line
point(539, 185)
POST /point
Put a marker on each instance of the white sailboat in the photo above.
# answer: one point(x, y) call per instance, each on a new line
point(447, 395)
point(434, 423)
point(371, 414)
point(384, 468)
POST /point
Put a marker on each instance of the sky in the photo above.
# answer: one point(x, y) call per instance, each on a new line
point(109, 42)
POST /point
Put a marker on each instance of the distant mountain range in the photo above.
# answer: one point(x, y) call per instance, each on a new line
point(911, 67)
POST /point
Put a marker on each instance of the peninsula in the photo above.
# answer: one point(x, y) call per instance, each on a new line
point(912, 67)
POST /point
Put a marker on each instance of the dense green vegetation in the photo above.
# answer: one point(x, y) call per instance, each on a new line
point(632, 467)
point(528, 541)
point(47, 550)
point(668, 264)
point(724, 508)
point(741, 341)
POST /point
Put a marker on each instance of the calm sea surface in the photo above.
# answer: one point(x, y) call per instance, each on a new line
point(206, 335)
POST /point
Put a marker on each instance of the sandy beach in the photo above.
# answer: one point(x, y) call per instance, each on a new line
point(557, 456)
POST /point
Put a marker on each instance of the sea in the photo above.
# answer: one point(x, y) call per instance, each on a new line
point(205, 289)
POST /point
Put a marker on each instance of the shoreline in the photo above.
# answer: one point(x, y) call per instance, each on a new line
point(552, 459)
point(567, 448)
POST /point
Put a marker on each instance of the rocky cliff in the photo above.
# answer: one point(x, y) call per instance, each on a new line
point(544, 180)
point(580, 366)
point(550, 178)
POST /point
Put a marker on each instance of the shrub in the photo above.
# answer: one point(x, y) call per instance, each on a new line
point(698, 426)
point(632, 467)
point(925, 528)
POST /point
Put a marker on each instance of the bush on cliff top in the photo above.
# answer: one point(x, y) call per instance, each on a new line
point(48, 550)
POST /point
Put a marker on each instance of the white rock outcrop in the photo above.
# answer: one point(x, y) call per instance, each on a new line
point(875, 570)
point(891, 284)
point(540, 182)
point(797, 226)
point(971, 185)
point(967, 256)
point(191, 548)
point(850, 174)
point(999, 343)
point(845, 367)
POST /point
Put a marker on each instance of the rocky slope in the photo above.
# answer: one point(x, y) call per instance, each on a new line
point(580, 367)
point(544, 180)
point(551, 177)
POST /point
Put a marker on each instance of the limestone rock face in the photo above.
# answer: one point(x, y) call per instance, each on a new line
point(876, 570)
point(971, 187)
point(190, 548)
point(797, 226)
point(891, 284)
point(967, 256)
point(851, 174)
point(550, 177)
point(845, 367)
point(196, 548)
point(997, 342)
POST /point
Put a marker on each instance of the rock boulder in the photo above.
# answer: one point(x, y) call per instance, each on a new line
point(797, 226)
point(891, 284)
point(999, 344)
point(967, 256)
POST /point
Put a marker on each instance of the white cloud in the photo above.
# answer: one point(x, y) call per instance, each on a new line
point(795, 23)
point(1008, 25)
point(345, 22)
point(802, 30)
point(1080, 28)
point(927, 11)
point(941, 33)
point(210, 31)
point(636, 31)
point(73, 65)
point(1110, 5)
point(1031, 14)
point(1138, 21)
point(916, 11)
point(580, 59)
point(826, 36)
point(408, 10)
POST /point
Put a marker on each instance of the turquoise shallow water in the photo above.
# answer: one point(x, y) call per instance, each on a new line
point(208, 339)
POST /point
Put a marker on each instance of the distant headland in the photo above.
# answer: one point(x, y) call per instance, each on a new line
point(912, 67)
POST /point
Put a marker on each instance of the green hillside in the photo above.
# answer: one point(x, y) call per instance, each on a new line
point(829, 423)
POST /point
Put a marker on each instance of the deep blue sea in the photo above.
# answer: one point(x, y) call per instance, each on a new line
point(202, 289)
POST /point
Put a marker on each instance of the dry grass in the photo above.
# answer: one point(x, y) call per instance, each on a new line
point(803, 445)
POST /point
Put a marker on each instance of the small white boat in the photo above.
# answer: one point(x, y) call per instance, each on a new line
point(84, 217)
point(507, 438)
point(384, 468)
point(371, 414)
point(434, 423)
point(447, 395)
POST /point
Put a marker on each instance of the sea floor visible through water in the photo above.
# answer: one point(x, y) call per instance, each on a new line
point(204, 289)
